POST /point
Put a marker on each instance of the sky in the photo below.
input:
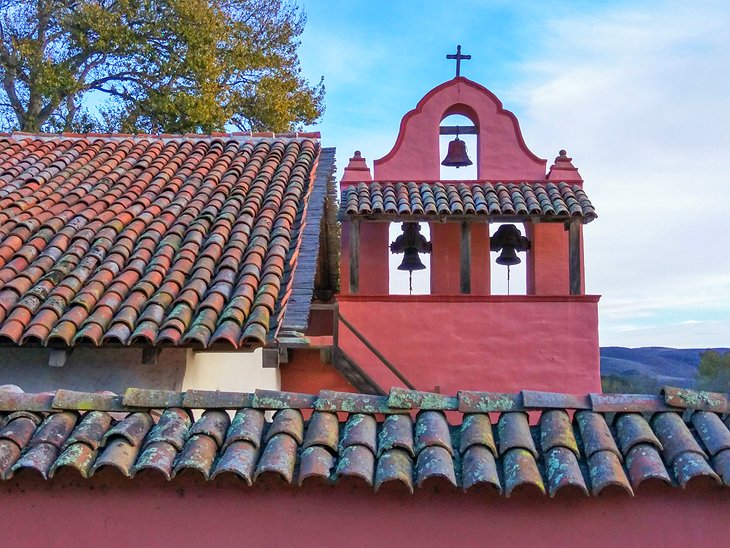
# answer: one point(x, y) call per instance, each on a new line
point(637, 92)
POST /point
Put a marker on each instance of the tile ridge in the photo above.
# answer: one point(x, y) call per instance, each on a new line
point(165, 137)
point(399, 400)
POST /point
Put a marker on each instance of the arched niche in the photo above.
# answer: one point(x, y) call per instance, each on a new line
point(503, 154)
point(466, 122)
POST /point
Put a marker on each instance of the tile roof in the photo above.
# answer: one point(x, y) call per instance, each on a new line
point(547, 200)
point(172, 240)
point(587, 443)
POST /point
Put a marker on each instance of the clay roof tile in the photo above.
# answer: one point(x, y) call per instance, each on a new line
point(108, 216)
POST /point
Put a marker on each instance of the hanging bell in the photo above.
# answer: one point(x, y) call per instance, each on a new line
point(508, 257)
point(411, 260)
point(456, 155)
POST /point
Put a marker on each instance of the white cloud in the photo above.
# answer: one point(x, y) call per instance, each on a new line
point(641, 100)
point(637, 92)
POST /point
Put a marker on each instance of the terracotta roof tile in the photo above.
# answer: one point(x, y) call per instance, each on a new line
point(239, 457)
point(78, 456)
point(198, 454)
point(370, 441)
point(356, 461)
point(432, 430)
point(605, 470)
point(396, 432)
point(394, 466)
point(514, 432)
point(479, 467)
point(689, 465)
point(595, 433)
point(562, 470)
point(323, 430)
point(556, 431)
point(278, 457)
point(520, 469)
point(547, 200)
point(360, 429)
point(315, 462)
point(146, 240)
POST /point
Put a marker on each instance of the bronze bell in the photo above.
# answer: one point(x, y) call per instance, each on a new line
point(510, 241)
point(411, 260)
point(456, 155)
point(508, 257)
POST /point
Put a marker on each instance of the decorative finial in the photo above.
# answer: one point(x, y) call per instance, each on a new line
point(562, 152)
point(358, 154)
point(458, 56)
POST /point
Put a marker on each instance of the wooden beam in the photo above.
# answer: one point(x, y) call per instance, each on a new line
point(452, 218)
point(149, 355)
point(465, 267)
point(354, 256)
point(270, 357)
point(458, 130)
point(574, 258)
point(58, 357)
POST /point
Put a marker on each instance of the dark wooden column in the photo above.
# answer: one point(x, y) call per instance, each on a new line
point(354, 256)
point(574, 257)
point(465, 267)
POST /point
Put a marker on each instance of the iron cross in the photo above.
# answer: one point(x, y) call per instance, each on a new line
point(458, 56)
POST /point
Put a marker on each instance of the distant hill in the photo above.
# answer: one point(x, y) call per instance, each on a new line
point(663, 366)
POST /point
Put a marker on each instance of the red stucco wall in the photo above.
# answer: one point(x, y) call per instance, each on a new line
point(502, 152)
point(374, 255)
point(547, 260)
point(147, 511)
point(497, 343)
point(446, 258)
point(306, 373)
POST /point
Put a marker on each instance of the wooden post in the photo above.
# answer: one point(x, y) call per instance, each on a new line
point(465, 268)
point(335, 331)
point(574, 257)
point(354, 256)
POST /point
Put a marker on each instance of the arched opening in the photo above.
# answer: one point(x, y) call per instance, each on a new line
point(470, 141)
point(507, 280)
point(399, 280)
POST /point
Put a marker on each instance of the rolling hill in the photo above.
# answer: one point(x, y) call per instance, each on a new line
point(665, 366)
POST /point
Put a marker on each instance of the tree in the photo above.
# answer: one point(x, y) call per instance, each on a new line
point(629, 383)
point(153, 65)
point(714, 371)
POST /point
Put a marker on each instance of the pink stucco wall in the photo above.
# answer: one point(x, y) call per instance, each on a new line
point(147, 511)
point(502, 152)
point(446, 259)
point(492, 343)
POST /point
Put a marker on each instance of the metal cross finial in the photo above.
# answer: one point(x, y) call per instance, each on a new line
point(458, 56)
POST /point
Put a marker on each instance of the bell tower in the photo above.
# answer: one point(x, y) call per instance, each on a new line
point(460, 336)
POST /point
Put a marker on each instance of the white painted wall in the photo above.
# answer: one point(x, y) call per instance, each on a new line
point(91, 370)
point(229, 372)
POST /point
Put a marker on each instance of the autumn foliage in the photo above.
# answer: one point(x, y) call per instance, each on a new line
point(153, 65)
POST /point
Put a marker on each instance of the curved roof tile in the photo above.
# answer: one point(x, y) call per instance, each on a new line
point(546, 200)
point(146, 239)
point(363, 437)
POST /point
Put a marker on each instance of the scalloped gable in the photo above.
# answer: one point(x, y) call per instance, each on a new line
point(503, 154)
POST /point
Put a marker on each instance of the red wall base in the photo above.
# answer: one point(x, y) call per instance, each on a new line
point(496, 343)
point(148, 511)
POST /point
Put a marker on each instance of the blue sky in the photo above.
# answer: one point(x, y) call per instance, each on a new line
point(637, 92)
